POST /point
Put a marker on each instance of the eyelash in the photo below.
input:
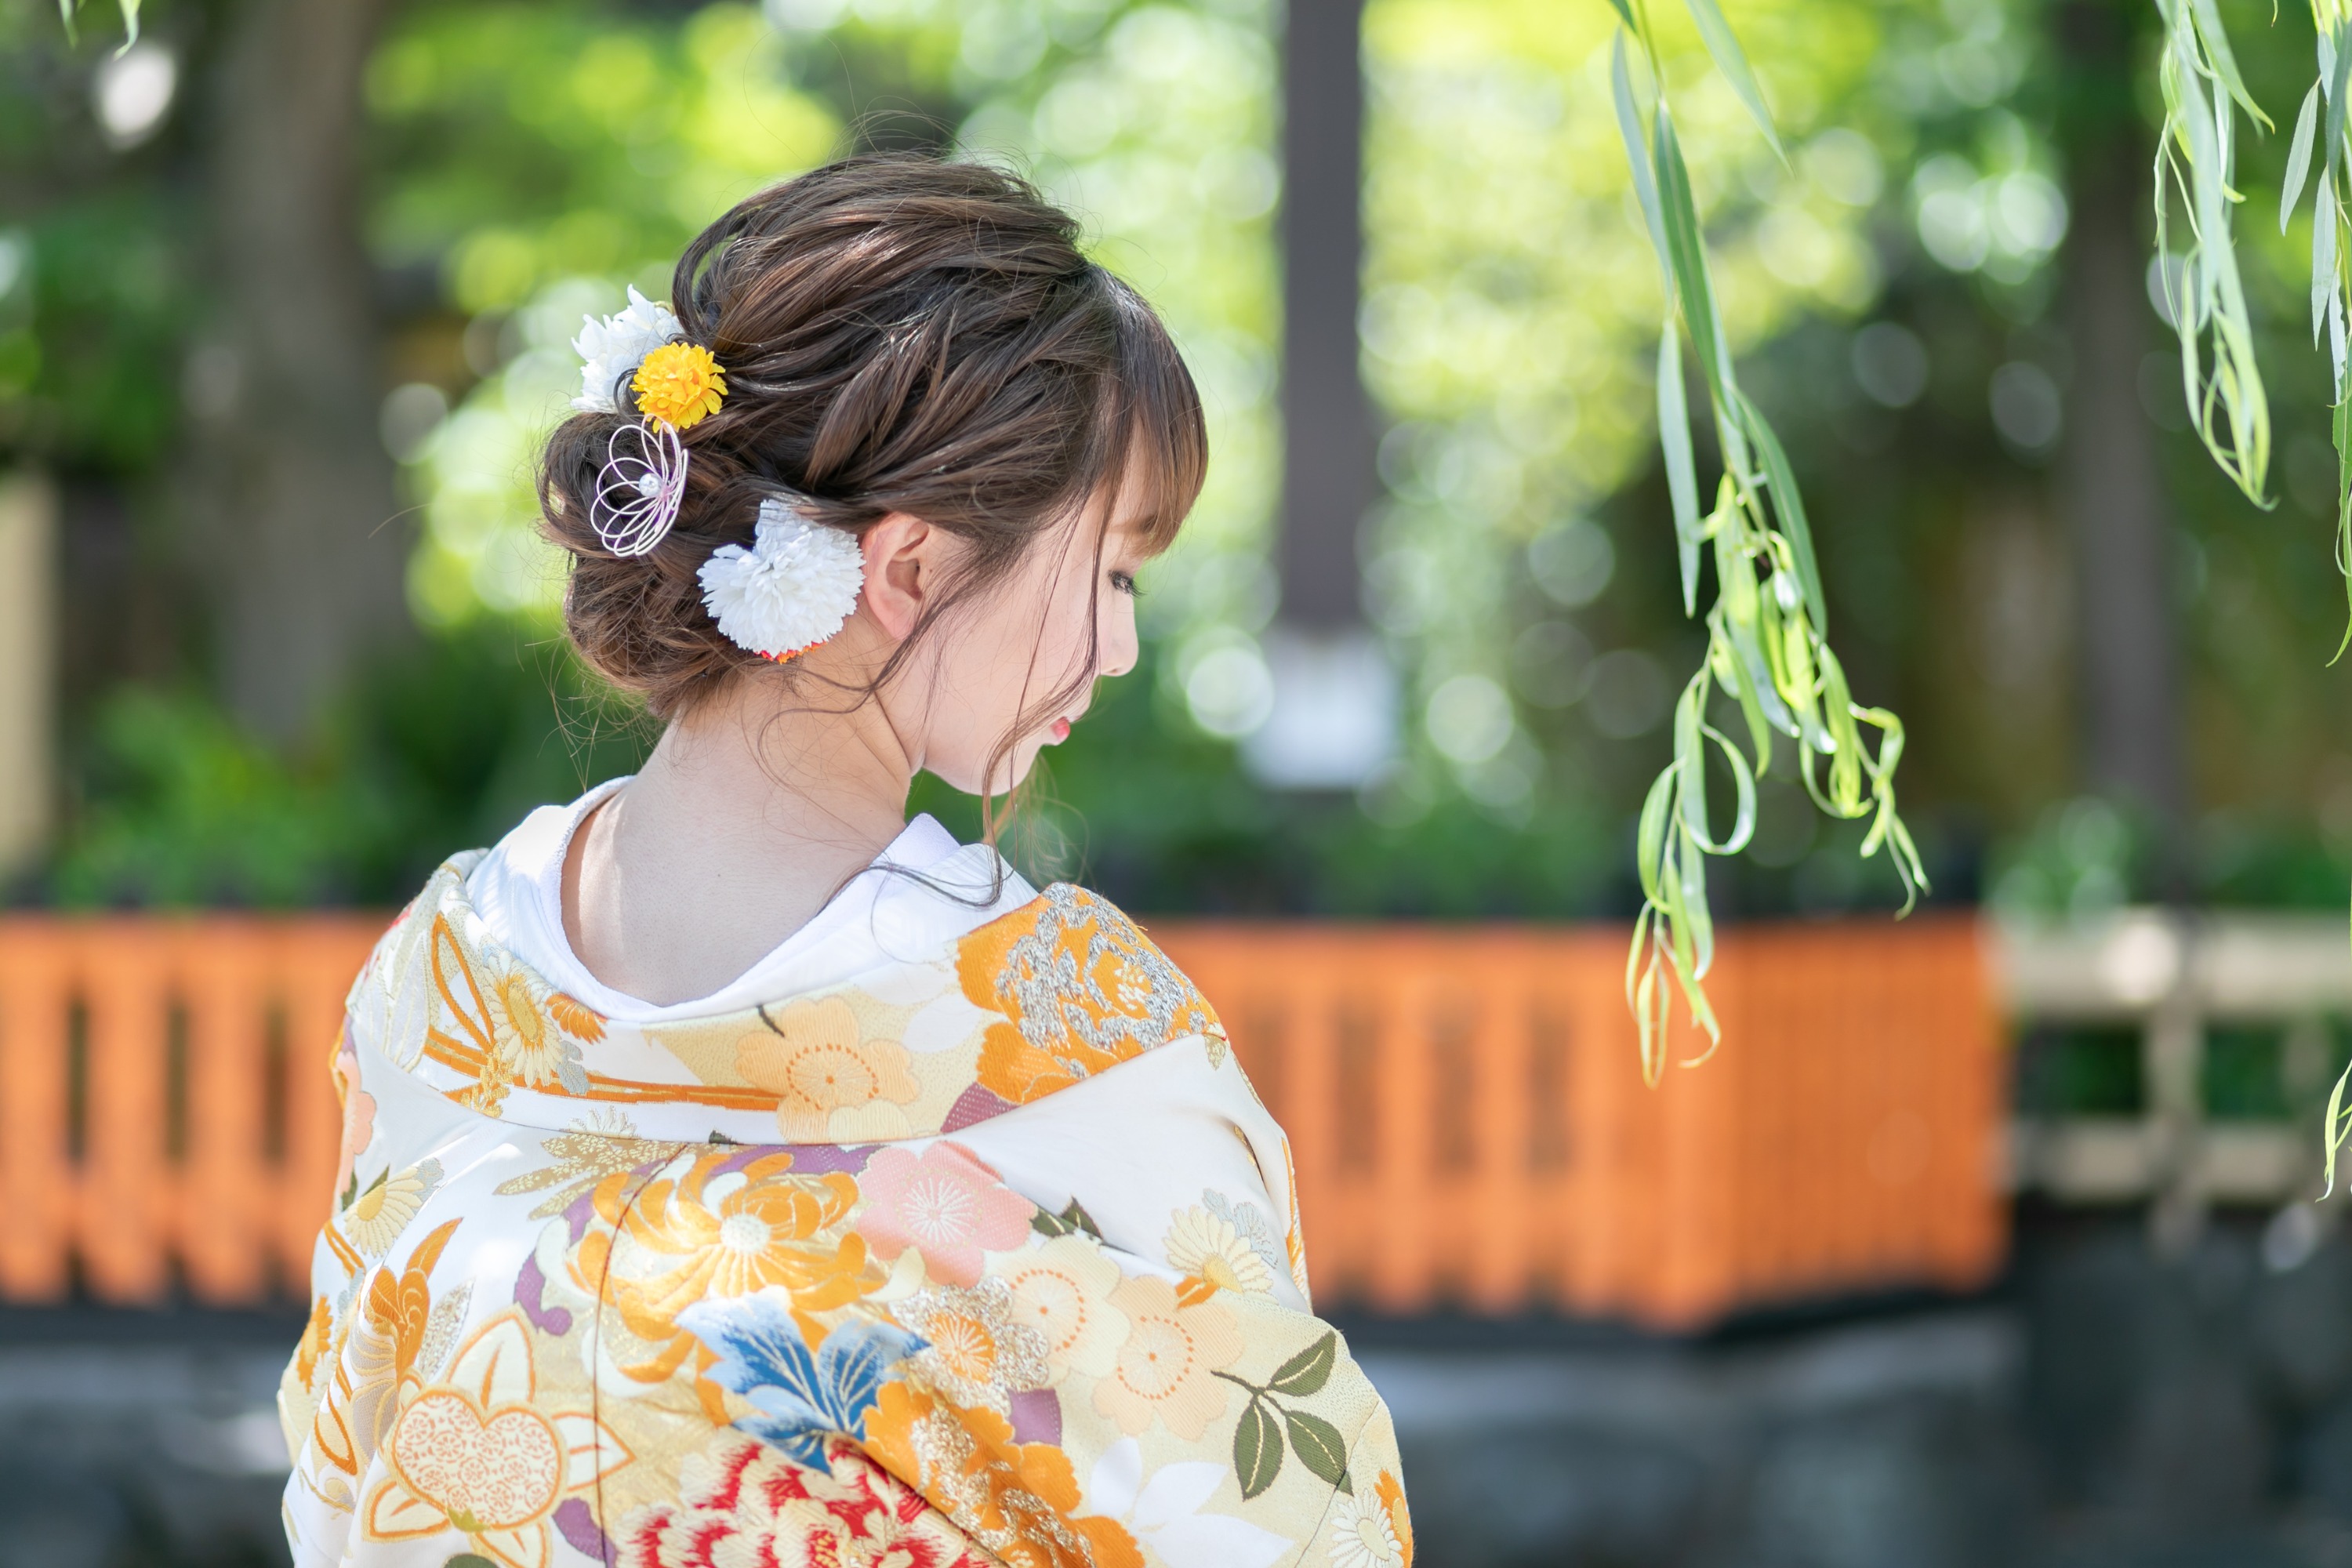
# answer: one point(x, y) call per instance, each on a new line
point(1124, 582)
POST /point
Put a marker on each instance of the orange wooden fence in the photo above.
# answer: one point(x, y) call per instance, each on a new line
point(1468, 1118)
point(1466, 1110)
point(164, 1103)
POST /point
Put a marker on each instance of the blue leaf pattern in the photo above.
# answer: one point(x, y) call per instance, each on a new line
point(802, 1398)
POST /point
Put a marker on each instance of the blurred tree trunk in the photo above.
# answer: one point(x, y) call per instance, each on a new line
point(1327, 477)
point(305, 545)
point(2109, 484)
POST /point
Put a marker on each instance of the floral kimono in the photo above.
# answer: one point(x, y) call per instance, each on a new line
point(987, 1255)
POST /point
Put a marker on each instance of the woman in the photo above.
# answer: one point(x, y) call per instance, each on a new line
point(735, 1173)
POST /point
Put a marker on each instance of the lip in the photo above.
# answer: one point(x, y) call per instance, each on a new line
point(1059, 729)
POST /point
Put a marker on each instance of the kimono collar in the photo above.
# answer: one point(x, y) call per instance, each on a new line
point(1012, 1010)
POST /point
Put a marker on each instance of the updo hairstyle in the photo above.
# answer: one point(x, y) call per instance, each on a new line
point(898, 334)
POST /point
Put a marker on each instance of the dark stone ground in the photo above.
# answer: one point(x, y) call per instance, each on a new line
point(2098, 1409)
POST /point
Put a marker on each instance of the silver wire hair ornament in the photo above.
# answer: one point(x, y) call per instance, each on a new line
point(639, 490)
point(639, 360)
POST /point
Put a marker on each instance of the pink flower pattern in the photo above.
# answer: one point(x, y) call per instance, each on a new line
point(945, 1205)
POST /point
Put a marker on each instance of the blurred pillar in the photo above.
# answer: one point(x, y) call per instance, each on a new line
point(307, 548)
point(28, 529)
point(2109, 483)
point(1327, 476)
point(1333, 719)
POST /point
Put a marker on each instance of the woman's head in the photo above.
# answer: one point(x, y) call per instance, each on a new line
point(917, 353)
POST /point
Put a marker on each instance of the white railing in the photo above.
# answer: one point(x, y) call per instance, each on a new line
point(2173, 975)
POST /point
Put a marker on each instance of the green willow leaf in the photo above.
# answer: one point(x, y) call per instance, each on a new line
point(129, 8)
point(2195, 156)
point(1637, 159)
point(1257, 1449)
point(2337, 62)
point(1732, 61)
point(1682, 469)
point(1686, 251)
point(1766, 649)
point(1307, 1371)
point(2224, 65)
point(2298, 156)
point(1788, 507)
point(2343, 433)
point(1319, 1447)
point(2336, 1132)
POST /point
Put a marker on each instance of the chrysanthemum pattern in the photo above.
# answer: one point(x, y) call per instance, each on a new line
point(541, 1337)
point(1213, 1256)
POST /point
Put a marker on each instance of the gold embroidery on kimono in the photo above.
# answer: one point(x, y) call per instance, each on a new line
point(989, 1255)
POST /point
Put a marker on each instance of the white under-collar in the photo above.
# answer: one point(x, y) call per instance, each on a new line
point(922, 892)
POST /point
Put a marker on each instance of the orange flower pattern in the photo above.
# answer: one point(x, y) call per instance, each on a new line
point(1080, 990)
point(830, 1081)
point(574, 1309)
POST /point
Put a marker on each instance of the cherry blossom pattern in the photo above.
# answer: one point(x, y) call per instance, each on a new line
point(1166, 1369)
point(831, 1083)
point(944, 1204)
point(1063, 1290)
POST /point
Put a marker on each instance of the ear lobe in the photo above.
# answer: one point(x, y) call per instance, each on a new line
point(900, 571)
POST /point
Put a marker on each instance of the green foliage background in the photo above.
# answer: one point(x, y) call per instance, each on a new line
point(529, 160)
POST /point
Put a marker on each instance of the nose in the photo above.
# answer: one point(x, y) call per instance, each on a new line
point(1119, 648)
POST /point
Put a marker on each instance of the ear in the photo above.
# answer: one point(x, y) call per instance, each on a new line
point(904, 561)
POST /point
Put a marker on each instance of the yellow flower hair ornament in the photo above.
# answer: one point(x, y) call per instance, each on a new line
point(672, 385)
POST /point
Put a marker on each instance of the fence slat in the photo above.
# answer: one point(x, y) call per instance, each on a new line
point(36, 1181)
point(120, 1224)
point(225, 1187)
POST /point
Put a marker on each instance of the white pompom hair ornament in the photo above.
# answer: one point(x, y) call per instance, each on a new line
point(792, 589)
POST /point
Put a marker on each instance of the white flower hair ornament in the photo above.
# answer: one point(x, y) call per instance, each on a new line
point(792, 589)
point(673, 384)
point(611, 350)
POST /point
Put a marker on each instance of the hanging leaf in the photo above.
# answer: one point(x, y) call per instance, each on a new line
point(2222, 63)
point(130, 9)
point(1637, 158)
point(1788, 507)
point(1767, 630)
point(2195, 157)
point(2298, 156)
point(1686, 252)
point(1733, 63)
point(1682, 469)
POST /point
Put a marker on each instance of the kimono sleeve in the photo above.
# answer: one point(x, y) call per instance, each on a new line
point(1369, 1523)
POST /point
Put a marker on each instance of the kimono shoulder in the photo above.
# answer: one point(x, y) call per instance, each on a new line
point(1077, 988)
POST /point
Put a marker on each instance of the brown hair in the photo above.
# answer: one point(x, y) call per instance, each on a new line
point(899, 334)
